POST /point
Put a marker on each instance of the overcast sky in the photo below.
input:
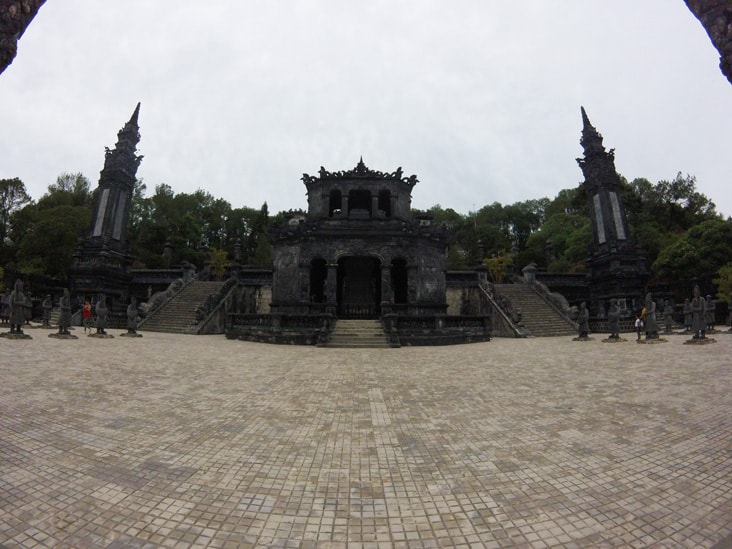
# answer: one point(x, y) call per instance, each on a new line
point(480, 99)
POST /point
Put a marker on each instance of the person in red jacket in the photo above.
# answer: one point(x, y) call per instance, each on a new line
point(86, 315)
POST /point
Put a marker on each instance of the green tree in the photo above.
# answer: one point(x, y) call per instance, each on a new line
point(568, 201)
point(700, 253)
point(218, 262)
point(13, 196)
point(48, 232)
point(562, 240)
point(498, 267)
point(560, 245)
point(49, 245)
point(258, 247)
point(724, 282)
point(462, 249)
point(674, 205)
point(69, 189)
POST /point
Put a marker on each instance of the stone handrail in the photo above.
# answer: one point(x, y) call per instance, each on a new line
point(211, 315)
point(550, 299)
point(502, 323)
point(161, 299)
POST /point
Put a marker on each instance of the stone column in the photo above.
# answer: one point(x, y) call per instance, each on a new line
point(344, 205)
point(385, 288)
point(304, 276)
point(374, 205)
point(331, 286)
point(394, 205)
point(412, 288)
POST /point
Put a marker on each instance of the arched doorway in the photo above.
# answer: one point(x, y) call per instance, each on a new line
point(359, 287)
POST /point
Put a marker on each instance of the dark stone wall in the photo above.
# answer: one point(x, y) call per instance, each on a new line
point(15, 16)
point(424, 257)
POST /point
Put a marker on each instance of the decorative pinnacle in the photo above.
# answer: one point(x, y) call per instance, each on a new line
point(585, 119)
point(133, 118)
point(123, 155)
point(591, 139)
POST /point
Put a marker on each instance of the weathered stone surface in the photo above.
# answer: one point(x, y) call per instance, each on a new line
point(15, 16)
point(716, 18)
point(359, 251)
point(102, 264)
point(617, 269)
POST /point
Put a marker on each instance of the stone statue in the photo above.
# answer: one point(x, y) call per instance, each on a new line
point(517, 316)
point(687, 315)
point(698, 312)
point(613, 319)
point(28, 308)
point(529, 273)
point(132, 317)
point(651, 322)
point(709, 313)
point(583, 321)
point(47, 305)
point(102, 312)
point(64, 320)
point(668, 317)
point(17, 308)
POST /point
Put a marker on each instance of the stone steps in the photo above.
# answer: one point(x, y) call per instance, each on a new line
point(358, 334)
point(179, 314)
point(541, 319)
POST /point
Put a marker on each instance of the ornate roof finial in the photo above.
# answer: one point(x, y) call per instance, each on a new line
point(361, 167)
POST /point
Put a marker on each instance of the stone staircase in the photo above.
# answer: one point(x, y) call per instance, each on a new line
point(358, 334)
point(55, 316)
point(177, 315)
point(540, 318)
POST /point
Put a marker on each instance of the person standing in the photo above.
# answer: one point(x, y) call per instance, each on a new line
point(638, 327)
point(86, 315)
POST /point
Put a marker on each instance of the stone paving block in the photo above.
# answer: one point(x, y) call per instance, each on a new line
point(197, 441)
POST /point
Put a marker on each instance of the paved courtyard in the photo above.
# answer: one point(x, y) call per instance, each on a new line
point(197, 441)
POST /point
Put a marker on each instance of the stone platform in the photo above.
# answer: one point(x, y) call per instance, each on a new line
point(198, 441)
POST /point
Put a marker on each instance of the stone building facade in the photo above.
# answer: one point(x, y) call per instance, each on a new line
point(359, 252)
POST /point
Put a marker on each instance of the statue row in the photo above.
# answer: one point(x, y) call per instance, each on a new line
point(698, 317)
point(16, 306)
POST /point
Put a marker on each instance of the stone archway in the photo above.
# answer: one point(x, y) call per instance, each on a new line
point(359, 287)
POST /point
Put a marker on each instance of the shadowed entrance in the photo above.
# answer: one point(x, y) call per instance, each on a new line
point(359, 287)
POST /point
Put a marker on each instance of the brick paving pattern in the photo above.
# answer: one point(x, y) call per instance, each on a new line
point(196, 441)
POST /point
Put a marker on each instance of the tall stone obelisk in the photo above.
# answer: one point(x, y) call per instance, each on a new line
point(617, 269)
point(101, 265)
